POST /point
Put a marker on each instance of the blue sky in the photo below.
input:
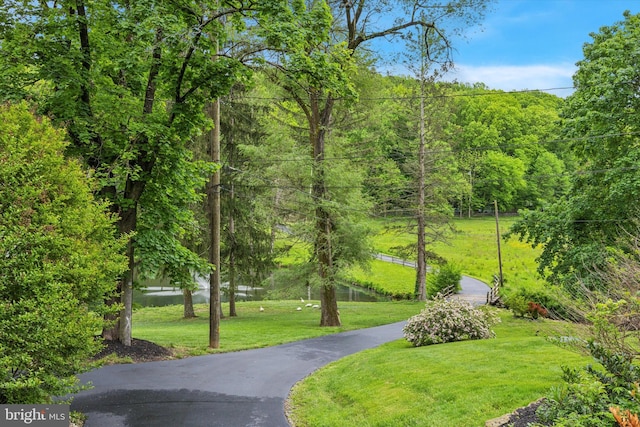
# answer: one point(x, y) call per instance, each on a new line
point(533, 44)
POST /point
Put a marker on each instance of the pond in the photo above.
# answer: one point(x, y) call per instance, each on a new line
point(157, 293)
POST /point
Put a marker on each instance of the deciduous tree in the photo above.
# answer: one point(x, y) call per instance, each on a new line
point(129, 80)
point(601, 119)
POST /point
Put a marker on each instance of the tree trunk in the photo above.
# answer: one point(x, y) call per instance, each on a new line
point(214, 222)
point(232, 267)
point(126, 314)
point(232, 263)
point(232, 288)
point(328, 299)
point(421, 266)
point(330, 315)
point(129, 208)
point(324, 226)
point(121, 326)
point(188, 312)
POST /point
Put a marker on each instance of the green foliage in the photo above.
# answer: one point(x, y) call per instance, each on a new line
point(585, 397)
point(396, 281)
point(447, 320)
point(60, 260)
point(167, 223)
point(129, 81)
point(502, 179)
point(506, 149)
point(579, 232)
point(445, 276)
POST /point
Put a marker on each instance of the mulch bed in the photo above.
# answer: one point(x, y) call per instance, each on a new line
point(524, 416)
point(139, 351)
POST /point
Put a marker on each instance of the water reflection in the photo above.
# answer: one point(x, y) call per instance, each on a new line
point(157, 293)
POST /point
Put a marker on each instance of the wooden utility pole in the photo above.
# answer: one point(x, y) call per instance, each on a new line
point(214, 223)
point(495, 205)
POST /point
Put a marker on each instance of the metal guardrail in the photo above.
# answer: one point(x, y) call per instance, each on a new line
point(395, 260)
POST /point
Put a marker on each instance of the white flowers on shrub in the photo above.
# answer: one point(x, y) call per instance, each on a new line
point(450, 320)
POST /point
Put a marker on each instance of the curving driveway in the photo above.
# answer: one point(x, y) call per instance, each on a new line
point(473, 290)
point(241, 389)
point(246, 388)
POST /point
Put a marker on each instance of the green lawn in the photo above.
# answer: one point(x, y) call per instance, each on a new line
point(472, 246)
point(459, 384)
point(386, 278)
point(279, 323)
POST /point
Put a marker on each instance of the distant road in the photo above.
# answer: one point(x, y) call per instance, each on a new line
point(473, 290)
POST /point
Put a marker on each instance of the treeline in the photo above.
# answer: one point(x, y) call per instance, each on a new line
point(481, 145)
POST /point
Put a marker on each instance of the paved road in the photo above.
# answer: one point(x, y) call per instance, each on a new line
point(473, 290)
point(241, 389)
point(246, 388)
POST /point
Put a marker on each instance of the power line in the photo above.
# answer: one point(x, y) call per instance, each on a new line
point(451, 150)
point(490, 92)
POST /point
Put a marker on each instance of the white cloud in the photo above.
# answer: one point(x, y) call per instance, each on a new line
point(518, 77)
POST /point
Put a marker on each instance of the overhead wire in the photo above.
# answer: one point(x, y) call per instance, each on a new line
point(449, 150)
point(487, 92)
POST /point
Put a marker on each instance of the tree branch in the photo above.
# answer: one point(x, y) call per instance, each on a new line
point(185, 64)
point(85, 50)
point(156, 61)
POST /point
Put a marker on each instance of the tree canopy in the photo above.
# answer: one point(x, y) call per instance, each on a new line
point(601, 127)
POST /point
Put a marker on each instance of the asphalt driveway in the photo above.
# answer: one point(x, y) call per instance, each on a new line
point(240, 389)
point(246, 388)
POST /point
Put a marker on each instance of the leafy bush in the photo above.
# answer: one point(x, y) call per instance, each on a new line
point(59, 261)
point(446, 320)
point(587, 396)
point(447, 275)
point(534, 304)
point(517, 303)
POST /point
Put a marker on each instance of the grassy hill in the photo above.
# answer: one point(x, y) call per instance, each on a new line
point(472, 246)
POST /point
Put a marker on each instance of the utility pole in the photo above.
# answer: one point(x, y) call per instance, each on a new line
point(214, 223)
point(495, 205)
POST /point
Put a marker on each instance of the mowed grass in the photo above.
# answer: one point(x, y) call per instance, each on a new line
point(279, 323)
point(473, 246)
point(386, 278)
point(460, 384)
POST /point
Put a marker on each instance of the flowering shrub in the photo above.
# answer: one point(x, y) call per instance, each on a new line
point(450, 320)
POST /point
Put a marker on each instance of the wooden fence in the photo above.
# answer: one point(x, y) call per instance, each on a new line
point(493, 296)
